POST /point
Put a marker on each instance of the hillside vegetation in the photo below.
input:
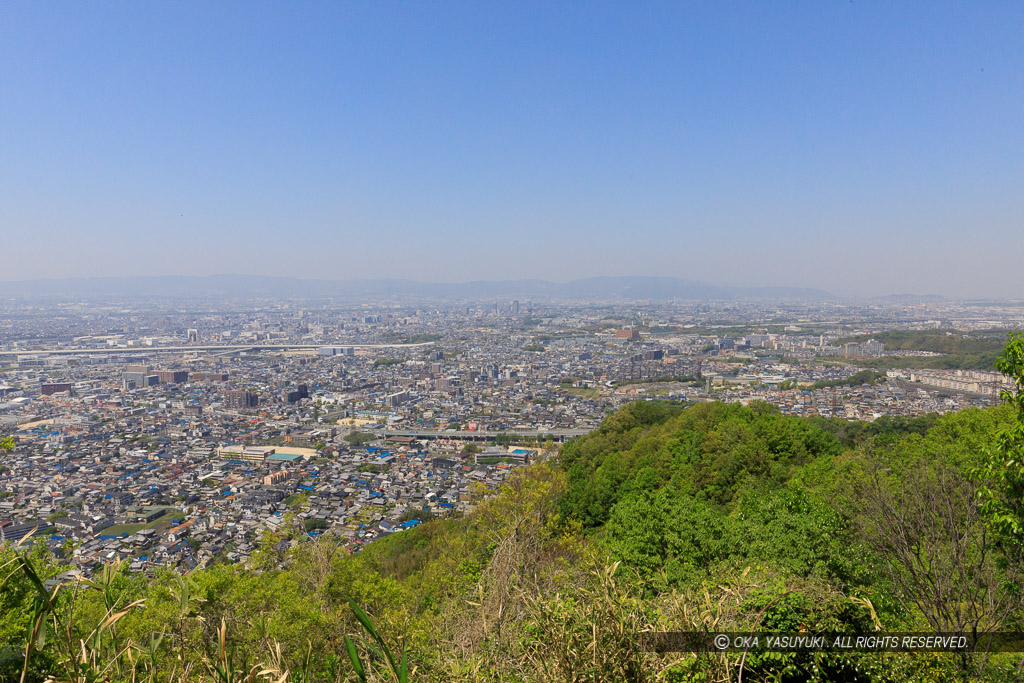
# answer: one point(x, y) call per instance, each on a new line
point(960, 351)
point(667, 518)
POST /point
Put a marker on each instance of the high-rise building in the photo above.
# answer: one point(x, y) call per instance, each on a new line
point(336, 351)
point(208, 376)
point(55, 388)
point(172, 376)
point(396, 399)
point(237, 399)
point(134, 378)
point(300, 392)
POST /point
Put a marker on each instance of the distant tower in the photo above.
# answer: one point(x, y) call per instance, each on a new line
point(515, 307)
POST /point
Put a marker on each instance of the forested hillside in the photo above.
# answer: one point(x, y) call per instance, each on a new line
point(668, 517)
point(975, 350)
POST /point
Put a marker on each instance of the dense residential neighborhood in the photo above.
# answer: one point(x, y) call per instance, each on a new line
point(179, 438)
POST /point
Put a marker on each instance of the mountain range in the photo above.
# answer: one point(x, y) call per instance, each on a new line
point(630, 288)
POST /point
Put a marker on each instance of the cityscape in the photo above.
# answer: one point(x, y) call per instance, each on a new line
point(166, 436)
point(511, 342)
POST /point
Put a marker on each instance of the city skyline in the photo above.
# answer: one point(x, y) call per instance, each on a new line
point(625, 288)
point(853, 148)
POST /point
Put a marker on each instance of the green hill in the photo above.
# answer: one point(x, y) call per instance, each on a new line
point(976, 350)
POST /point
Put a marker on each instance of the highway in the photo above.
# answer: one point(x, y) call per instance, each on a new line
point(220, 347)
point(559, 435)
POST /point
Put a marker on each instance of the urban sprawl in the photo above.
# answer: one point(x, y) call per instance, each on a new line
point(180, 434)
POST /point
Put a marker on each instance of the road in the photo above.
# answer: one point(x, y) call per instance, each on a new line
point(221, 347)
point(555, 434)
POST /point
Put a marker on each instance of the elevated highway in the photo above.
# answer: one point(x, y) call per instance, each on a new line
point(184, 349)
point(557, 435)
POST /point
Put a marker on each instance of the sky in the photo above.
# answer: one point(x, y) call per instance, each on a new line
point(863, 148)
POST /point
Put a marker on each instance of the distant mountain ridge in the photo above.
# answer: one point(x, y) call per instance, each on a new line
point(637, 287)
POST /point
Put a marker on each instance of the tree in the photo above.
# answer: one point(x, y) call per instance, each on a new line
point(359, 438)
point(297, 501)
point(422, 514)
point(7, 443)
point(1002, 474)
point(314, 523)
point(928, 529)
point(654, 531)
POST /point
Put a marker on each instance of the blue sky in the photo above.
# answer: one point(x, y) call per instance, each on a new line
point(860, 147)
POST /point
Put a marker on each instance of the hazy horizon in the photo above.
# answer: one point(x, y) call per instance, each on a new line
point(494, 288)
point(842, 294)
point(855, 148)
